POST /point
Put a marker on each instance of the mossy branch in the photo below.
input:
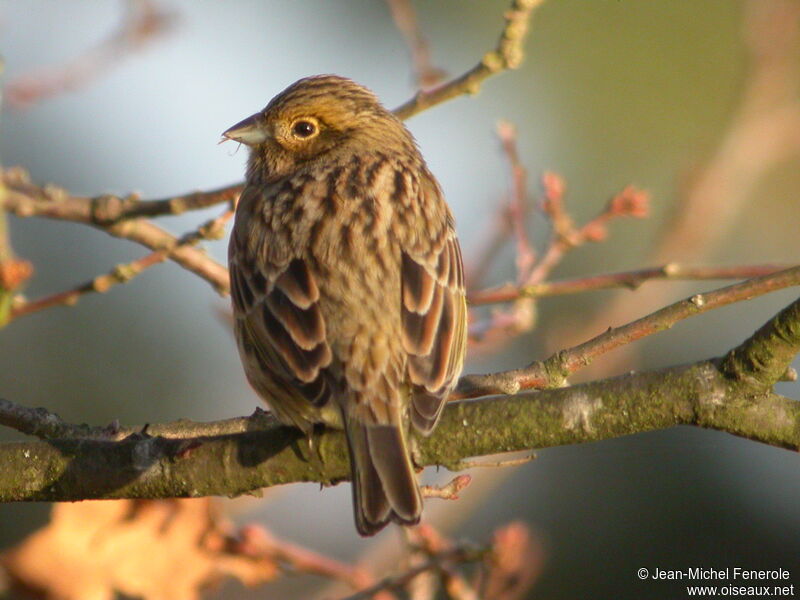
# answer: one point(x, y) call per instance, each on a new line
point(731, 394)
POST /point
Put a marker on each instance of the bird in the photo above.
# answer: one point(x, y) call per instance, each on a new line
point(347, 283)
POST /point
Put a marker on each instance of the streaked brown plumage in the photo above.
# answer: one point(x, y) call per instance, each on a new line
point(347, 282)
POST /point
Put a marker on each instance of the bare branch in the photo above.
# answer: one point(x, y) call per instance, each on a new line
point(141, 466)
point(549, 373)
point(626, 279)
point(495, 464)
point(30, 200)
point(630, 202)
point(405, 18)
point(109, 209)
point(507, 55)
point(766, 356)
point(732, 395)
point(102, 283)
point(554, 371)
point(212, 229)
point(257, 541)
point(448, 491)
point(520, 317)
point(518, 208)
point(459, 554)
point(25, 199)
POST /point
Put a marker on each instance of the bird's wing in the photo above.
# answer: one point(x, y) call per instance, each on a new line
point(281, 327)
point(434, 316)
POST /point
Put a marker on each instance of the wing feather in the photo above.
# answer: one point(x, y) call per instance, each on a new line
point(418, 286)
point(305, 325)
point(284, 327)
point(298, 284)
point(419, 330)
point(434, 331)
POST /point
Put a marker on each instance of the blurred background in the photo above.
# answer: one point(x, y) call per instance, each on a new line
point(678, 98)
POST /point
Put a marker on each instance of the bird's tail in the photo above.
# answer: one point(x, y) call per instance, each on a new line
point(384, 484)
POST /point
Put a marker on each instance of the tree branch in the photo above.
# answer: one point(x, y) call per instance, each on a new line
point(626, 279)
point(731, 394)
point(459, 554)
point(405, 19)
point(211, 229)
point(554, 371)
point(549, 373)
point(109, 209)
point(47, 425)
point(25, 199)
point(767, 355)
point(507, 55)
point(154, 467)
point(533, 270)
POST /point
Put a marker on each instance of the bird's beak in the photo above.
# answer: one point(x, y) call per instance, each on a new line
point(251, 131)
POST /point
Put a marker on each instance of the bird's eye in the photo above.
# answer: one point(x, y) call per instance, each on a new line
point(304, 129)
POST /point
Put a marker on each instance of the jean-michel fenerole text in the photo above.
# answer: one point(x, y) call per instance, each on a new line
point(726, 574)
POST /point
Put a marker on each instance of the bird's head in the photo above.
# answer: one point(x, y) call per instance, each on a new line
point(315, 117)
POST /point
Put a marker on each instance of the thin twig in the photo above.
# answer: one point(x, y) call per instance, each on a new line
point(51, 201)
point(25, 199)
point(254, 540)
point(626, 279)
point(462, 554)
point(448, 491)
point(630, 202)
point(122, 273)
point(13, 271)
point(520, 317)
point(109, 209)
point(190, 258)
point(518, 207)
point(405, 18)
point(501, 463)
point(430, 544)
point(507, 55)
point(212, 229)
